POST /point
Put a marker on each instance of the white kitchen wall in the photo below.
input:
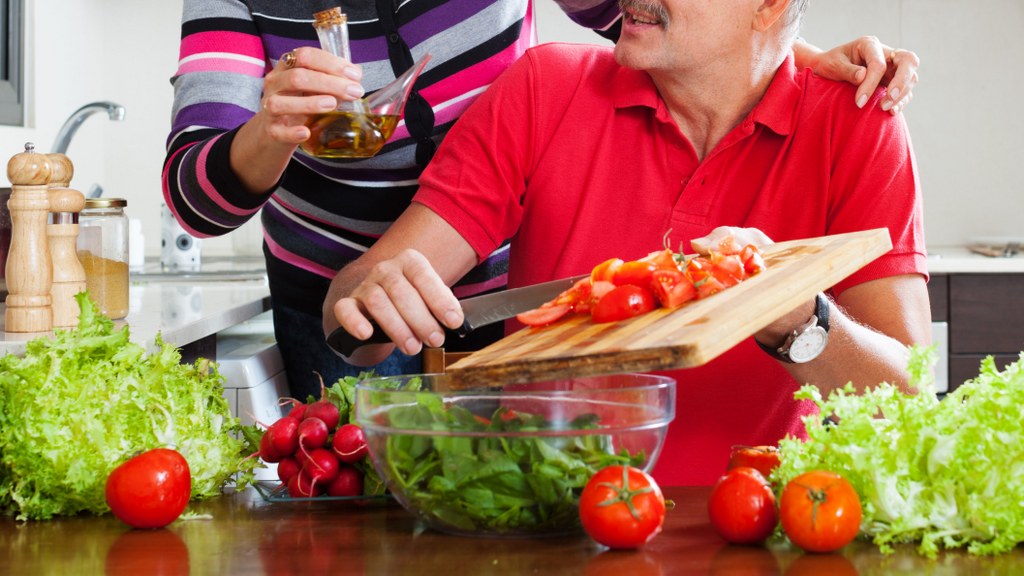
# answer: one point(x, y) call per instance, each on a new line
point(964, 123)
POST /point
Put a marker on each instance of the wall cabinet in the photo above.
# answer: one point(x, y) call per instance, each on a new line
point(985, 316)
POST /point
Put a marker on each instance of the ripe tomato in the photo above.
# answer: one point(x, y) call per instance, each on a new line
point(727, 269)
point(764, 459)
point(662, 259)
point(672, 288)
point(622, 507)
point(753, 260)
point(544, 315)
point(820, 511)
point(742, 507)
point(605, 271)
point(623, 302)
point(635, 272)
point(151, 490)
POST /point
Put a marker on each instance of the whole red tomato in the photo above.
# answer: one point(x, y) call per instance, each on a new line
point(622, 507)
point(742, 507)
point(820, 511)
point(764, 459)
point(151, 490)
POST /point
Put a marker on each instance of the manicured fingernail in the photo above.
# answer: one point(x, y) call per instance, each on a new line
point(862, 100)
point(327, 103)
point(355, 90)
point(894, 94)
point(886, 104)
point(353, 72)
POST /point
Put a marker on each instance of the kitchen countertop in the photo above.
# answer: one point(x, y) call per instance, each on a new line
point(184, 307)
point(960, 260)
point(248, 535)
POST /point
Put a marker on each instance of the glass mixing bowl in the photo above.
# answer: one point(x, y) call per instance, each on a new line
point(508, 461)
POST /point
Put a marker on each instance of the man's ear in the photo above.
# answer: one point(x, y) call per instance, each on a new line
point(768, 13)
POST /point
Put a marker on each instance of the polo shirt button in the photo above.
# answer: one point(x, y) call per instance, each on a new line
point(393, 38)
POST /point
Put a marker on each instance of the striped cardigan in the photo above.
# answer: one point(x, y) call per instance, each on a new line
point(324, 213)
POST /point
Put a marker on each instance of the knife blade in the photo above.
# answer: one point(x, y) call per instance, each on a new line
point(477, 311)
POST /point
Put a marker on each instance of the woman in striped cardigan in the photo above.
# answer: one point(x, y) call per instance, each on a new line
point(238, 118)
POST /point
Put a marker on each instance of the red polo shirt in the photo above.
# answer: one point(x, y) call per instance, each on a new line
point(577, 159)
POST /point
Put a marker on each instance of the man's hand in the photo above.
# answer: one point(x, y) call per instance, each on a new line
point(867, 63)
point(406, 298)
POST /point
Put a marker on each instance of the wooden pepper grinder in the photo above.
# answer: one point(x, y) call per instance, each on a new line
point(29, 272)
point(62, 233)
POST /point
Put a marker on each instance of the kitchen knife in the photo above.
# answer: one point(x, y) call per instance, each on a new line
point(477, 311)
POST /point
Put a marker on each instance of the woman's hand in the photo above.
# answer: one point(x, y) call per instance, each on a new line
point(305, 81)
point(867, 63)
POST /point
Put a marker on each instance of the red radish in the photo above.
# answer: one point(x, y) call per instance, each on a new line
point(283, 437)
point(267, 451)
point(349, 482)
point(321, 467)
point(324, 410)
point(287, 468)
point(298, 409)
point(349, 443)
point(312, 435)
point(302, 486)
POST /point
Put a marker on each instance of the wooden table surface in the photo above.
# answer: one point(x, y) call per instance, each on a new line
point(248, 535)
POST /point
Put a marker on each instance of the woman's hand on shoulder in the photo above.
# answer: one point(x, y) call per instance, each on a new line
point(867, 63)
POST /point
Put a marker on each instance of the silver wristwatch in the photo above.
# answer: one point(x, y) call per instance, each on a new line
point(808, 340)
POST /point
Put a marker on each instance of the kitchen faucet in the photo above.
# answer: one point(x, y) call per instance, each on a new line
point(60, 145)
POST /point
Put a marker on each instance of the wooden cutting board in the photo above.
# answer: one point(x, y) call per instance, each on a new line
point(691, 335)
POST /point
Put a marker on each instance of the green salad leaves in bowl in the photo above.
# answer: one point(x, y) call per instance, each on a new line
point(510, 461)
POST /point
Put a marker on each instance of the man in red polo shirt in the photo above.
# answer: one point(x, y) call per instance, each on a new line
point(696, 119)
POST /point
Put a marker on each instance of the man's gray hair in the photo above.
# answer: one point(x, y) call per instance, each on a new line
point(795, 14)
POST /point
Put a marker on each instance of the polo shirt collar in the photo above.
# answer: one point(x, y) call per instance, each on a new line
point(776, 110)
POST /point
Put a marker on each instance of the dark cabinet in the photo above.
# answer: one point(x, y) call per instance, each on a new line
point(986, 317)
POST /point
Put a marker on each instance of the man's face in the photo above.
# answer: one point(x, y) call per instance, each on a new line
point(675, 35)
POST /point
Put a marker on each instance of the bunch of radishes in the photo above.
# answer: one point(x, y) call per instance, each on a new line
point(315, 455)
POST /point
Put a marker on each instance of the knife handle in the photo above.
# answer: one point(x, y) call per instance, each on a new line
point(345, 344)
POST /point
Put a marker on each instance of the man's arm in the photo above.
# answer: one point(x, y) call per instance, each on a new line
point(870, 327)
point(401, 283)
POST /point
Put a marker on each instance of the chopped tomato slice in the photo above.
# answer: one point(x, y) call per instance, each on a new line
point(698, 268)
point(576, 296)
point(708, 286)
point(635, 272)
point(598, 290)
point(544, 315)
point(605, 271)
point(727, 269)
point(623, 302)
point(753, 260)
point(672, 288)
point(662, 259)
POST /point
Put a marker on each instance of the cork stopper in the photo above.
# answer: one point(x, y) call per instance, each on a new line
point(28, 168)
point(66, 200)
point(329, 17)
point(61, 170)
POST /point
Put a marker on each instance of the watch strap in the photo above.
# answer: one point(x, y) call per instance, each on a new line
point(821, 319)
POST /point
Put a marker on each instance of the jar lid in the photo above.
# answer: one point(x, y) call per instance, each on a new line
point(105, 203)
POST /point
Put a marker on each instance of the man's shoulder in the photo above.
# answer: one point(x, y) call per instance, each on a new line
point(835, 98)
point(566, 57)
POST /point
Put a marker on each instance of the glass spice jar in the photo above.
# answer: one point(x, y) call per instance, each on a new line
point(103, 252)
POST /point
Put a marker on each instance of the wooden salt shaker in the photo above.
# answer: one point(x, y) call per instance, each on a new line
point(62, 232)
point(29, 272)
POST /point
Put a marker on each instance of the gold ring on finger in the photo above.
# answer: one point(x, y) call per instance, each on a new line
point(288, 59)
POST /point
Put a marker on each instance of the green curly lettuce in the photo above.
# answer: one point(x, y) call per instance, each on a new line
point(944, 474)
point(82, 402)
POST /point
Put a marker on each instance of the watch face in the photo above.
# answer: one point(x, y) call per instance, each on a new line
point(808, 345)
